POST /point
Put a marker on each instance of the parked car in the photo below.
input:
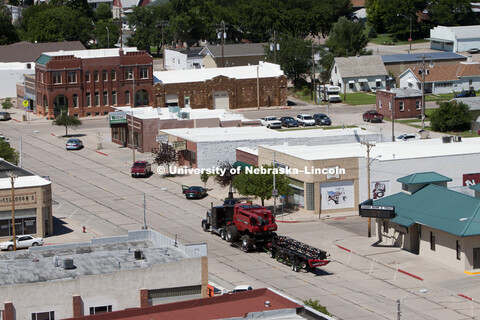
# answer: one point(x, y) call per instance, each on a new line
point(4, 116)
point(372, 116)
point(25, 241)
point(289, 122)
point(465, 94)
point(473, 50)
point(322, 119)
point(141, 169)
point(74, 144)
point(242, 288)
point(406, 136)
point(271, 122)
point(195, 193)
point(306, 120)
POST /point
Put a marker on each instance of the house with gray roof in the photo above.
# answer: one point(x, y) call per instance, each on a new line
point(233, 55)
point(455, 39)
point(359, 73)
point(431, 220)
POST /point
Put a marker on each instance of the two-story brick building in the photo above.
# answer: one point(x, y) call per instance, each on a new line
point(399, 102)
point(89, 82)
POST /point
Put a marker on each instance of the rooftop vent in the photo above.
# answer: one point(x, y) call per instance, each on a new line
point(267, 304)
point(67, 263)
point(138, 254)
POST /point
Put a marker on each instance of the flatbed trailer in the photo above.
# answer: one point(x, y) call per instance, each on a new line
point(297, 254)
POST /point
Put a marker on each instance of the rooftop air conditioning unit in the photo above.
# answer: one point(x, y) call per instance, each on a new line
point(184, 115)
point(67, 263)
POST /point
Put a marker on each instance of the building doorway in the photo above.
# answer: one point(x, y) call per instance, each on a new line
point(476, 258)
point(60, 105)
point(220, 100)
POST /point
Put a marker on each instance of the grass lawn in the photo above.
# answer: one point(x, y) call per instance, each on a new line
point(386, 38)
point(439, 97)
point(359, 98)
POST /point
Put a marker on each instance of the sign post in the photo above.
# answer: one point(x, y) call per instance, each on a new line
point(25, 106)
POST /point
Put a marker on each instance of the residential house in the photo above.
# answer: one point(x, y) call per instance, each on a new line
point(399, 103)
point(231, 55)
point(443, 79)
point(431, 220)
point(188, 58)
point(359, 73)
point(107, 274)
point(19, 58)
point(455, 39)
point(121, 8)
point(92, 82)
point(254, 86)
point(398, 63)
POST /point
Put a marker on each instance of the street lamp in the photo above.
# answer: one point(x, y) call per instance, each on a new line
point(108, 37)
point(399, 301)
point(12, 181)
point(409, 39)
point(21, 146)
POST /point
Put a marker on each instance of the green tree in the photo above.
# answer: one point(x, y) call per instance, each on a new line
point(106, 33)
point(450, 116)
point(226, 179)
point(261, 185)
point(347, 39)
point(67, 121)
point(204, 177)
point(451, 13)
point(103, 12)
point(8, 33)
point(8, 153)
point(7, 104)
point(294, 57)
point(315, 304)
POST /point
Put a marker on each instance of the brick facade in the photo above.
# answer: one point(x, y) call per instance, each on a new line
point(90, 86)
point(77, 306)
point(8, 311)
point(144, 298)
point(242, 93)
point(411, 105)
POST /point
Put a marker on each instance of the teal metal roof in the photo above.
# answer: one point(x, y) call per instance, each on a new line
point(475, 187)
point(437, 207)
point(423, 178)
point(403, 221)
point(43, 59)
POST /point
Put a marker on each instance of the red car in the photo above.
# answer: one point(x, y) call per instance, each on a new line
point(141, 168)
point(372, 116)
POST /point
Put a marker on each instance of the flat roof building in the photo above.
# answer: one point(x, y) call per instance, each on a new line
point(107, 274)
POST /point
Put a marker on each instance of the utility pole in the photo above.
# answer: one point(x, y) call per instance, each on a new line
point(223, 43)
point(258, 86)
point(12, 181)
point(108, 37)
point(131, 119)
point(424, 72)
point(369, 146)
point(275, 192)
point(144, 204)
point(314, 95)
point(275, 46)
point(163, 24)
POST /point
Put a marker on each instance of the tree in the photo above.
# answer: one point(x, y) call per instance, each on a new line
point(294, 58)
point(260, 185)
point(204, 177)
point(67, 121)
point(103, 12)
point(106, 38)
point(315, 304)
point(226, 179)
point(348, 39)
point(8, 153)
point(8, 33)
point(7, 104)
point(165, 155)
point(451, 13)
point(450, 116)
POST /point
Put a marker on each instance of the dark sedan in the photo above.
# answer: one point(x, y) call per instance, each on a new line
point(322, 119)
point(195, 193)
point(289, 122)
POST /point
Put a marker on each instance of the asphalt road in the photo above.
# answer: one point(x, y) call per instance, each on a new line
point(97, 191)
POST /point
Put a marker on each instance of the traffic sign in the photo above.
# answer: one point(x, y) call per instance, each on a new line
point(275, 192)
point(25, 103)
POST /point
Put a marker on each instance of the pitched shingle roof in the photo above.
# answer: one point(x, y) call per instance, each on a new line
point(361, 66)
point(469, 69)
point(449, 72)
point(29, 52)
point(236, 50)
point(437, 207)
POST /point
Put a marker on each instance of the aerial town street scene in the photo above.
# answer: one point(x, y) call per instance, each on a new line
point(267, 159)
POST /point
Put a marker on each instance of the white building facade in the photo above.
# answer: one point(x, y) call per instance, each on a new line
point(455, 39)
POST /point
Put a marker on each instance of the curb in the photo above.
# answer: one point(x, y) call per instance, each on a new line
point(101, 153)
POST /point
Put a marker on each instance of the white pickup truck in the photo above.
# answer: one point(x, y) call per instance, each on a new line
point(271, 122)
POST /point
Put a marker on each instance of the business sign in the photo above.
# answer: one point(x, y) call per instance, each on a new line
point(117, 117)
point(471, 179)
point(28, 198)
point(379, 189)
point(161, 138)
point(366, 209)
point(179, 145)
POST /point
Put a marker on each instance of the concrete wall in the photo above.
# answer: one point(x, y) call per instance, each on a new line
point(9, 79)
point(445, 248)
point(98, 290)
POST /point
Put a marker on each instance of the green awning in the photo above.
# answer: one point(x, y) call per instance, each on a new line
point(241, 164)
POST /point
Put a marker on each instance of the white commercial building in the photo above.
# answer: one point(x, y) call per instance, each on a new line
point(107, 274)
point(455, 39)
point(342, 191)
point(209, 147)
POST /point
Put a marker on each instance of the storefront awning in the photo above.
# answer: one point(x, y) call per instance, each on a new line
point(241, 164)
point(376, 80)
point(351, 81)
point(362, 80)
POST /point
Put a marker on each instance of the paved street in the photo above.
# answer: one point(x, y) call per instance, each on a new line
point(93, 188)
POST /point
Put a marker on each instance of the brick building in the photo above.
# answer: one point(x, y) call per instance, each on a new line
point(264, 85)
point(407, 102)
point(89, 82)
